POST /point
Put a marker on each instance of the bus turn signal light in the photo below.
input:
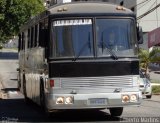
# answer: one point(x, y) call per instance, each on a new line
point(51, 83)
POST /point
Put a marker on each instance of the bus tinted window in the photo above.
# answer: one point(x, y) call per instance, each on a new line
point(72, 38)
point(36, 35)
point(32, 37)
point(23, 41)
point(116, 35)
point(29, 38)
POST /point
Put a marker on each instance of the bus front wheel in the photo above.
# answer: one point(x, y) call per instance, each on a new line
point(116, 111)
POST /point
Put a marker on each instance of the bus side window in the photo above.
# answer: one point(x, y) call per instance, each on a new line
point(23, 41)
point(32, 37)
point(40, 43)
point(19, 42)
point(28, 36)
point(42, 35)
point(36, 35)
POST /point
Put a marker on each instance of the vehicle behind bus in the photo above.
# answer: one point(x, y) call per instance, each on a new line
point(81, 56)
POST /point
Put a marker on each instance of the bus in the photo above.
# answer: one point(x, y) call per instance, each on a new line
point(81, 55)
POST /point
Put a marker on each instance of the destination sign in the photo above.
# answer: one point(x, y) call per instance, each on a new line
point(72, 22)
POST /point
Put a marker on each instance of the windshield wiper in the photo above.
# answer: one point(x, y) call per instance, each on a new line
point(81, 51)
point(83, 48)
point(113, 55)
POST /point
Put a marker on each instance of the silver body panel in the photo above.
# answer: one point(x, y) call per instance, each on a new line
point(85, 88)
point(31, 67)
point(81, 101)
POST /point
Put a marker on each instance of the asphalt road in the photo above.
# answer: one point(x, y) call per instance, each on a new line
point(17, 110)
point(14, 108)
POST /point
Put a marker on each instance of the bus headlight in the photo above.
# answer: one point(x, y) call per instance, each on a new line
point(60, 100)
point(125, 98)
point(133, 98)
point(69, 100)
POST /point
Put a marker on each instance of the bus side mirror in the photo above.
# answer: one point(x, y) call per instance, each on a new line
point(140, 35)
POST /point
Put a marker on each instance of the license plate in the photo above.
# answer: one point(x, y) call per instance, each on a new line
point(97, 101)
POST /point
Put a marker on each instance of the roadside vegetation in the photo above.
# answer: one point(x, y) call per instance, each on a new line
point(155, 81)
point(14, 13)
point(1, 47)
point(156, 89)
point(147, 57)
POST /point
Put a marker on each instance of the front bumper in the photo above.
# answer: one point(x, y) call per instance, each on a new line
point(83, 101)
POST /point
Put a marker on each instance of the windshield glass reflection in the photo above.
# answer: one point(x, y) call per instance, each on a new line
point(118, 35)
point(73, 38)
point(114, 38)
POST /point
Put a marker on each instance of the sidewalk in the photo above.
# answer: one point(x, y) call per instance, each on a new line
point(154, 74)
point(3, 95)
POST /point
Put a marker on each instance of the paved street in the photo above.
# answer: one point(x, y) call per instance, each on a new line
point(155, 74)
point(14, 109)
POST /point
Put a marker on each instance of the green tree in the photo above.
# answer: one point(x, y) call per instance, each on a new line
point(14, 13)
point(147, 57)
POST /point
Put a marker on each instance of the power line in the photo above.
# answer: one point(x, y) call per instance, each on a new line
point(148, 12)
point(152, 5)
point(141, 3)
point(145, 2)
point(157, 14)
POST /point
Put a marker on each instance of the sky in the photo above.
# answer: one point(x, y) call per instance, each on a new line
point(152, 20)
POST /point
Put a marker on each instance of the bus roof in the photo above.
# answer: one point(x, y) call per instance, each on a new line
point(81, 9)
point(90, 8)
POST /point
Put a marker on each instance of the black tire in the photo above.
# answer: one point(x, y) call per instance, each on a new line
point(149, 96)
point(116, 111)
point(26, 99)
point(19, 82)
point(42, 100)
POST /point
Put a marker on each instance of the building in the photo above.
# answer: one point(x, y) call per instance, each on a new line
point(154, 38)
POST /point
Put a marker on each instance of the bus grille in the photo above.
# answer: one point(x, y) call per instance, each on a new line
point(97, 82)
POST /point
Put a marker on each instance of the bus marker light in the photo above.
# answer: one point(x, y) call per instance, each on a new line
point(51, 83)
point(120, 8)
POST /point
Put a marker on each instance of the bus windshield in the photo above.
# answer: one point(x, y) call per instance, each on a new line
point(74, 38)
point(117, 35)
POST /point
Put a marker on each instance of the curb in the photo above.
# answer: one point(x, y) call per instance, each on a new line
point(3, 95)
point(155, 84)
point(156, 93)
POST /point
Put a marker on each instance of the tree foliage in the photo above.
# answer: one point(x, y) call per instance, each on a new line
point(147, 57)
point(14, 13)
